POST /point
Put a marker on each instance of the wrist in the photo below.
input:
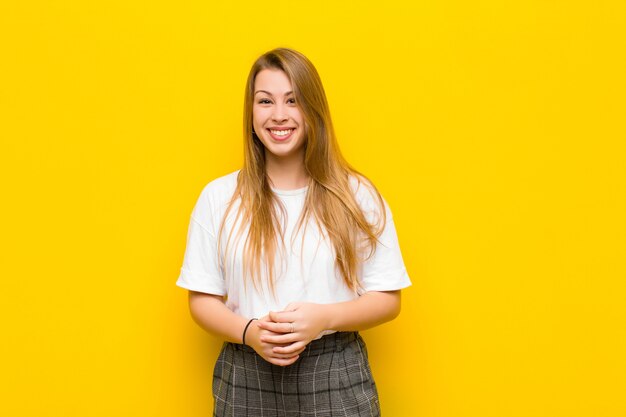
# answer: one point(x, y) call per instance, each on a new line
point(246, 331)
point(328, 316)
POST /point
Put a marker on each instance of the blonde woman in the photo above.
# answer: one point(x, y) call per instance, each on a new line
point(290, 256)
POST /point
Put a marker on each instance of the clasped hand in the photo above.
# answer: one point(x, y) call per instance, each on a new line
point(280, 337)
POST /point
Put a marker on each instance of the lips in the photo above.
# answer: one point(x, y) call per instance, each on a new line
point(281, 134)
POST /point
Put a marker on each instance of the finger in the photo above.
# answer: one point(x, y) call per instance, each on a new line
point(264, 332)
point(293, 349)
point(282, 316)
point(276, 327)
point(281, 355)
point(264, 318)
point(269, 346)
point(283, 362)
point(283, 338)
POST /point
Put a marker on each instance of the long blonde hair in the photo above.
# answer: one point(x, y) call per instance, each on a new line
point(330, 199)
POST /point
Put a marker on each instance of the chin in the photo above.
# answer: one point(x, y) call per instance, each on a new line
point(281, 149)
point(281, 154)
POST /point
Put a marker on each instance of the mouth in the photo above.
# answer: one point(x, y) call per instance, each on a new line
point(281, 134)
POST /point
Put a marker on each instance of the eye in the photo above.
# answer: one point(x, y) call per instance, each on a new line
point(291, 101)
point(264, 101)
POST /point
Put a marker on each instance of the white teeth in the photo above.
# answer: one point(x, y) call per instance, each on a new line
point(281, 132)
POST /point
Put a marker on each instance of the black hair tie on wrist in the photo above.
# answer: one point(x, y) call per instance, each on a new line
point(243, 338)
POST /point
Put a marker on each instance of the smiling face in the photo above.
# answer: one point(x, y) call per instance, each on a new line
point(276, 118)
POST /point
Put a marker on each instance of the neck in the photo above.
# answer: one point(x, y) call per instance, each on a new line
point(286, 173)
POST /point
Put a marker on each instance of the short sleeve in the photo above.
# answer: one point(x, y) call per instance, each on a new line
point(200, 270)
point(385, 269)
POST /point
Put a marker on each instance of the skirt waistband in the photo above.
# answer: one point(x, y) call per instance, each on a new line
point(336, 341)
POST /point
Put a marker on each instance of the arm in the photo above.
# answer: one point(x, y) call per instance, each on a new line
point(211, 314)
point(369, 310)
point(309, 319)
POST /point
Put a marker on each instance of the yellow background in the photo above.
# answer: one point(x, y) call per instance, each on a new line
point(494, 129)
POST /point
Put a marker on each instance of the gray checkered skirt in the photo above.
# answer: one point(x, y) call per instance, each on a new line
point(332, 377)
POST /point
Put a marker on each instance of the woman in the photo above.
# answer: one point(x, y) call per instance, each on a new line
point(290, 256)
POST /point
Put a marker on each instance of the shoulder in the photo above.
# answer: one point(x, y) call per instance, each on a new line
point(219, 191)
point(214, 198)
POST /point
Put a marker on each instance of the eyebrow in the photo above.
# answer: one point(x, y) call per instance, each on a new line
point(270, 94)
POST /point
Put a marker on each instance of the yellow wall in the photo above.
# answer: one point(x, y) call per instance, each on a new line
point(495, 130)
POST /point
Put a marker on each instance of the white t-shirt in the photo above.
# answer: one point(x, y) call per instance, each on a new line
point(306, 274)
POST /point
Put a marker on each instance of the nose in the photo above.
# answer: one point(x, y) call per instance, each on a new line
point(279, 114)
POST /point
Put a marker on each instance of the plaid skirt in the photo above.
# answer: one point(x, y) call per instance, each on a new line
point(332, 377)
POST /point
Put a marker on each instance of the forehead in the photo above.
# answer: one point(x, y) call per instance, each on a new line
point(274, 81)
